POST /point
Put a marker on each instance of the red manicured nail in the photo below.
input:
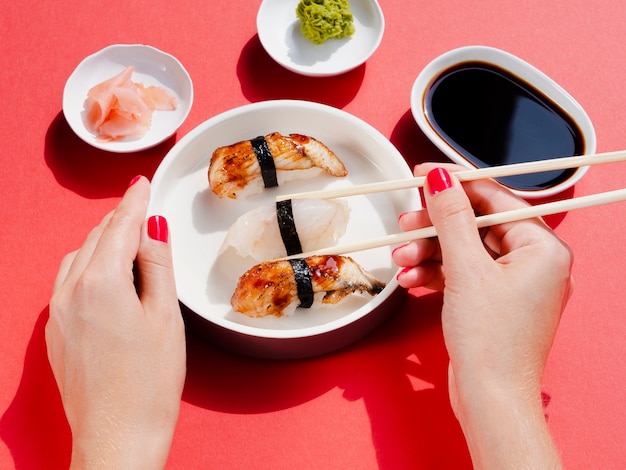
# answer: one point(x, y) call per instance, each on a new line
point(393, 252)
point(157, 228)
point(402, 272)
point(134, 180)
point(438, 180)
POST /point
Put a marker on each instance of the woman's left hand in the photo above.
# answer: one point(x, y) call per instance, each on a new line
point(116, 339)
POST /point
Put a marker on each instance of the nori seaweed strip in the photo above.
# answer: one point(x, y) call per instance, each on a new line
point(266, 161)
point(304, 285)
point(287, 227)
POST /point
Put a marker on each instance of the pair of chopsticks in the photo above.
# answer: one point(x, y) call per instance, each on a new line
point(466, 175)
point(530, 212)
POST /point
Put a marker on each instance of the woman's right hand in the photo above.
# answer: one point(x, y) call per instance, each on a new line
point(504, 294)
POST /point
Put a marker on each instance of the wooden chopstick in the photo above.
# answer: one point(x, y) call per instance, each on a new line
point(481, 221)
point(464, 175)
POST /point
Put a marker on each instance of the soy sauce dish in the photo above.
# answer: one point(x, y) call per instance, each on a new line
point(484, 107)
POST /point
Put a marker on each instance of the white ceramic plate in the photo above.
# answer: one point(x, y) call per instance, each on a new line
point(198, 222)
point(279, 32)
point(518, 68)
point(152, 67)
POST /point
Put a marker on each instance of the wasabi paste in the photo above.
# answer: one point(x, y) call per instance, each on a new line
point(324, 19)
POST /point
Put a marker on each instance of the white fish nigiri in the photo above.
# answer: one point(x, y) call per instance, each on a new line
point(256, 235)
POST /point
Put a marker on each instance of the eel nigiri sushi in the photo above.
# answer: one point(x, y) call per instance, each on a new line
point(286, 228)
point(253, 165)
point(278, 287)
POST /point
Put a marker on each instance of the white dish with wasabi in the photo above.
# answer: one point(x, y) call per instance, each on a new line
point(280, 34)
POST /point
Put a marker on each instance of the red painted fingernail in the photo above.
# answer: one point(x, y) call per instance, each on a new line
point(134, 180)
point(402, 272)
point(393, 252)
point(157, 228)
point(438, 180)
point(402, 215)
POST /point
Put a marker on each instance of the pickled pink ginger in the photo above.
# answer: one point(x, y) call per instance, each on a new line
point(119, 107)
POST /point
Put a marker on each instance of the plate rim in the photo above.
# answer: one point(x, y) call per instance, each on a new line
point(160, 176)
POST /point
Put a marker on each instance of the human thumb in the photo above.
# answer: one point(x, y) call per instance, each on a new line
point(154, 267)
point(451, 213)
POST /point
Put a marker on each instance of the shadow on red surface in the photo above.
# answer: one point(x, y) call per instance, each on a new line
point(34, 427)
point(263, 79)
point(404, 386)
point(91, 172)
point(404, 389)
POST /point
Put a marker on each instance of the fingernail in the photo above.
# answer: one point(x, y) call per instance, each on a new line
point(438, 180)
point(402, 272)
point(134, 180)
point(157, 228)
point(393, 252)
point(402, 215)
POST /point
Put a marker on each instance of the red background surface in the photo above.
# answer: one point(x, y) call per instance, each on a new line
point(382, 402)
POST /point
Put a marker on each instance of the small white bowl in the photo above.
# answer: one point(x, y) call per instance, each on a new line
point(523, 71)
point(279, 32)
point(199, 221)
point(152, 67)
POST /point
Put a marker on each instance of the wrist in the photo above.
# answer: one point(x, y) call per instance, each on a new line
point(504, 427)
point(121, 449)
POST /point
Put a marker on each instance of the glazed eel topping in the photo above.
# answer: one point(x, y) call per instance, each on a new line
point(279, 287)
point(257, 162)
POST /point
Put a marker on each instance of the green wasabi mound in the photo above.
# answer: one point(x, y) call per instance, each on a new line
point(325, 19)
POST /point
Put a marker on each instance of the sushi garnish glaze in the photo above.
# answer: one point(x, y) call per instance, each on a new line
point(271, 288)
point(245, 168)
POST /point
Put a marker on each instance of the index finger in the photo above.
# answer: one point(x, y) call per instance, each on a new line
point(119, 241)
point(73, 264)
point(487, 196)
point(490, 197)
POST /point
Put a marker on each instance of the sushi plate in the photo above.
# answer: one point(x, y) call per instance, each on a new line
point(152, 67)
point(279, 32)
point(199, 220)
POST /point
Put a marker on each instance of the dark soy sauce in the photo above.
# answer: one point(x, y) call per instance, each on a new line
point(492, 117)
